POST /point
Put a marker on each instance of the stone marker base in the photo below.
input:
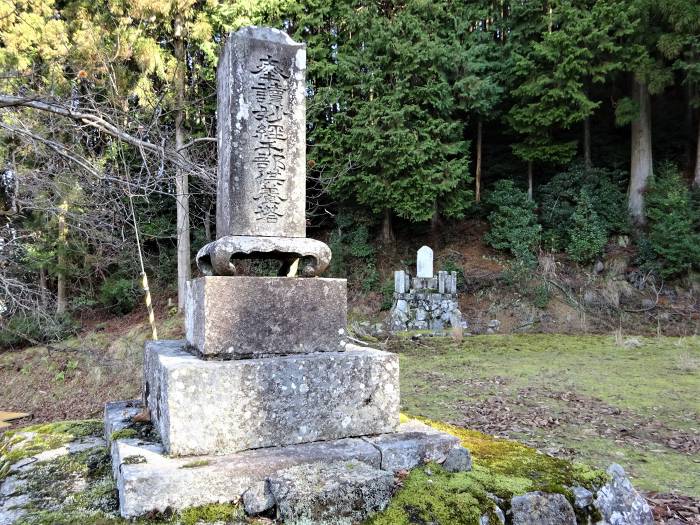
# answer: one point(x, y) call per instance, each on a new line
point(219, 407)
point(339, 481)
point(249, 317)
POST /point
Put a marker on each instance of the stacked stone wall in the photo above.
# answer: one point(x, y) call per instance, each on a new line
point(425, 303)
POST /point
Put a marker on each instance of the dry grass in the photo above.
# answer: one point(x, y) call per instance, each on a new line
point(73, 380)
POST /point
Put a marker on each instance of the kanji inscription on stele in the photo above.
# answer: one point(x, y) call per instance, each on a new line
point(262, 135)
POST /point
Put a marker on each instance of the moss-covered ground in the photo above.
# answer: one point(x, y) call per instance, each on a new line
point(597, 399)
point(78, 487)
point(501, 469)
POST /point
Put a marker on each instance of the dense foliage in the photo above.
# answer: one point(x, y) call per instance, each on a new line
point(413, 109)
point(673, 220)
point(513, 222)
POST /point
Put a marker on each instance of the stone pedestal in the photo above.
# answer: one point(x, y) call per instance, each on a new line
point(244, 317)
point(148, 479)
point(218, 407)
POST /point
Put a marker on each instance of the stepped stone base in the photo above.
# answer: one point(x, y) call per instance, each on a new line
point(250, 317)
point(148, 479)
point(219, 407)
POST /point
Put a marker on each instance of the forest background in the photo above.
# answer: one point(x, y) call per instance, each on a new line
point(555, 132)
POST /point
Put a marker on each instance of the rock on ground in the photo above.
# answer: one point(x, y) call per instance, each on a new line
point(337, 493)
point(619, 503)
point(458, 460)
point(541, 508)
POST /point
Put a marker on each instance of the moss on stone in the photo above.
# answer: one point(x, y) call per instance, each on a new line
point(79, 488)
point(430, 495)
point(134, 460)
point(28, 441)
point(210, 514)
point(197, 463)
point(502, 469)
point(124, 433)
point(515, 460)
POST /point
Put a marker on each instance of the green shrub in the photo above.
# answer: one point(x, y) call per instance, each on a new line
point(119, 294)
point(587, 234)
point(672, 219)
point(387, 295)
point(353, 253)
point(24, 329)
point(513, 222)
point(561, 197)
point(540, 295)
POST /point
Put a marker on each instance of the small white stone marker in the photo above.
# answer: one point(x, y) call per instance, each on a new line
point(424, 262)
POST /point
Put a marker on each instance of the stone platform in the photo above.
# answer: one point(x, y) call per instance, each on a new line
point(249, 317)
point(149, 479)
point(218, 407)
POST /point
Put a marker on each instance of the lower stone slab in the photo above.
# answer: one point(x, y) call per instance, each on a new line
point(340, 492)
point(218, 407)
point(149, 479)
point(415, 440)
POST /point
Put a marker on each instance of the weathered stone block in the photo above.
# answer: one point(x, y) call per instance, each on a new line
point(400, 282)
point(415, 443)
point(148, 479)
point(337, 493)
point(458, 460)
point(541, 508)
point(204, 406)
point(118, 415)
point(424, 262)
point(243, 317)
point(618, 502)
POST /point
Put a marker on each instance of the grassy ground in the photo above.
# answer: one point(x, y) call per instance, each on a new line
point(583, 397)
point(75, 378)
point(587, 397)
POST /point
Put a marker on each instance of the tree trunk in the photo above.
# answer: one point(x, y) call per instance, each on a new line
point(207, 224)
point(688, 122)
point(61, 299)
point(43, 288)
point(387, 229)
point(181, 182)
point(435, 223)
point(587, 162)
point(696, 177)
point(477, 175)
point(641, 157)
point(529, 179)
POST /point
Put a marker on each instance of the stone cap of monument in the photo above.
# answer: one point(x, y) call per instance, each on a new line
point(266, 33)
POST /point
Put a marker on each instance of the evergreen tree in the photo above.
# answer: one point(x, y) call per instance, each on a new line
point(394, 143)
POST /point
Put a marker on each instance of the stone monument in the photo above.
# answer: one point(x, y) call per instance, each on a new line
point(264, 402)
point(425, 302)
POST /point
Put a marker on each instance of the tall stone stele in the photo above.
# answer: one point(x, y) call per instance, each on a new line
point(261, 135)
point(264, 393)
